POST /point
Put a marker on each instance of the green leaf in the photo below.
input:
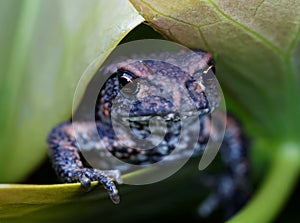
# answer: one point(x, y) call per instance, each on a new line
point(45, 48)
point(68, 203)
point(257, 50)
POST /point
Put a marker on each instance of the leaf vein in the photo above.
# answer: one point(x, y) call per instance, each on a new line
point(247, 29)
point(257, 7)
point(167, 16)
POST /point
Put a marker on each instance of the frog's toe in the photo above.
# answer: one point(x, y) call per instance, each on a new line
point(109, 185)
point(210, 204)
point(228, 194)
point(85, 183)
point(86, 175)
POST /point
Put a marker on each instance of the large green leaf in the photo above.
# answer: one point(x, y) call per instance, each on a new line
point(47, 45)
point(68, 203)
point(257, 50)
point(45, 48)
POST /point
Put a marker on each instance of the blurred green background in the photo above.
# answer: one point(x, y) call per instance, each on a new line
point(47, 45)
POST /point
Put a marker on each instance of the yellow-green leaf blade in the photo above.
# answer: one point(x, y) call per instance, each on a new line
point(49, 45)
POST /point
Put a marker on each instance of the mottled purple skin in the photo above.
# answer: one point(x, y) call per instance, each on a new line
point(173, 83)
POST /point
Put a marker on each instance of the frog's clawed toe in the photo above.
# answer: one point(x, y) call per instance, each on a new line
point(86, 175)
point(85, 183)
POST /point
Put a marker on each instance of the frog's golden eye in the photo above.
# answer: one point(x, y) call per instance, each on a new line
point(211, 66)
point(128, 83)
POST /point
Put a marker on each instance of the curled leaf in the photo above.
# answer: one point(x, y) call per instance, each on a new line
point(45, 48)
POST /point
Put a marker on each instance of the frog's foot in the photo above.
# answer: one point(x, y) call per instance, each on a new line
point(223, 191)
point(105, 177)
point(229, 193)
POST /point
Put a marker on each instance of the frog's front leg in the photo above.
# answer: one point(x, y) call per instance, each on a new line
point(66, 160)
point(232, 185)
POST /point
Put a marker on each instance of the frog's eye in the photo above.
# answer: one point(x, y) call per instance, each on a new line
point(211, 66)
point(128, 83)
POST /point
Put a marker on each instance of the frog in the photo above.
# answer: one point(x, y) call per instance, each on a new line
point(129, 90)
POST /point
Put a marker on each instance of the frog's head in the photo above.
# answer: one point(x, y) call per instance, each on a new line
point(156, 98)
point(141, 89)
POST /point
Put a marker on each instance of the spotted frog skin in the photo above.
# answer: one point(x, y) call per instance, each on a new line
point(130, 87)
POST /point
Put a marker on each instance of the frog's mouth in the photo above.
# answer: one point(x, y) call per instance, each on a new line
point(168, 117)
point(155, 134)
point(143, 118)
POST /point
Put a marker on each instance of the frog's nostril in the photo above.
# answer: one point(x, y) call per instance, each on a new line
point(152, 106)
